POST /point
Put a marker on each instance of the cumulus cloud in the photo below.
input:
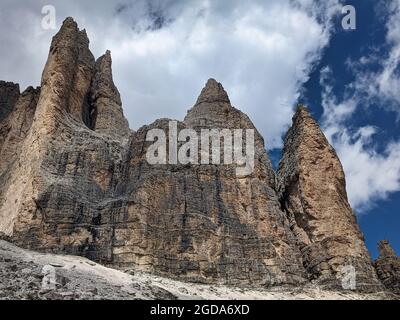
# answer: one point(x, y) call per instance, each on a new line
point(164, 51)
point(370, 175)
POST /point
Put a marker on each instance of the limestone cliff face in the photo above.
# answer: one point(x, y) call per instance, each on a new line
point(75, 179)
point(313, 194)
point(388, 267)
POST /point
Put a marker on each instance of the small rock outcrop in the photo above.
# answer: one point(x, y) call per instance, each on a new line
point(388, 267)
point(75, 179)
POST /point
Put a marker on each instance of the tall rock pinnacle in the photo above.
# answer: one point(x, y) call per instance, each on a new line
point(214, 110)
point(108, 115)
point(313, 193)
point(61, 141)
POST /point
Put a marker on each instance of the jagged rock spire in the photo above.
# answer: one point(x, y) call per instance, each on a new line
point(213, 92)
point(313, 193)
point(103, 80)
point(67, 74)
point(385, 249)
point(388, 266)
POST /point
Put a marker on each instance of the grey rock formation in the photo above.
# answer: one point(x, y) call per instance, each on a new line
point(22, 274)
point(206, 223)
point(388, 267)
point(313, 194)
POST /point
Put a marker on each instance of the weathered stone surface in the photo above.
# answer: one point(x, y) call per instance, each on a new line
point(76, 180)
point(388, 267)
point(14, 130)
point(313, 194)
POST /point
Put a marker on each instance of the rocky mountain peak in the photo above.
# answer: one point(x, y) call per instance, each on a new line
point(304, 122)
point(106, 102)
point(213, 92)
point(213, 109)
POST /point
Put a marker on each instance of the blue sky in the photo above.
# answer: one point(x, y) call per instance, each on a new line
point(268, 54)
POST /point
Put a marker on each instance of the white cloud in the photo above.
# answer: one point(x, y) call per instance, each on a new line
point(262, 51)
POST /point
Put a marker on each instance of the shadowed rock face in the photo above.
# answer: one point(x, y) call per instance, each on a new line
point(9, 93)
point(388, 267)
point(75, 179)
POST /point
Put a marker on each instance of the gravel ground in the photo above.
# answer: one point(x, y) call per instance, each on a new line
point(22, 273)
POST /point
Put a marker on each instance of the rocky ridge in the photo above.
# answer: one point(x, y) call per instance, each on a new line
point(74, 179)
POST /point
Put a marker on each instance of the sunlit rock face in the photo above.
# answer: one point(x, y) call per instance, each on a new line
point(75, 179)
